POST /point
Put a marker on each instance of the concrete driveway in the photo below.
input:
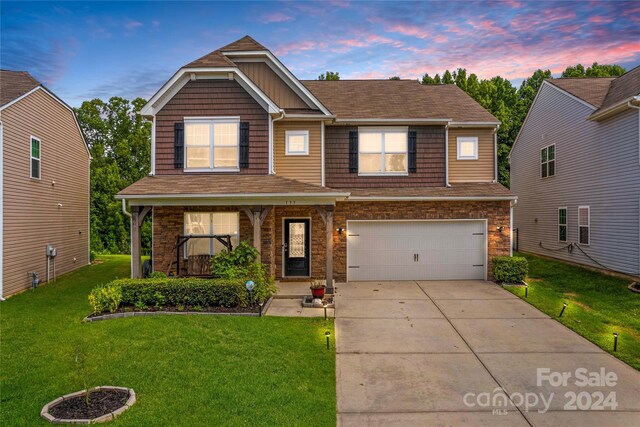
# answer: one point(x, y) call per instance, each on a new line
point(468, 353)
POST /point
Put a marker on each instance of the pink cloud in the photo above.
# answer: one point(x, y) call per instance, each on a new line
point(487, 26)
point(598, 19)
point(276, 17)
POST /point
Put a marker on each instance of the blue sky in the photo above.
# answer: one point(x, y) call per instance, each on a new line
point(83, 50)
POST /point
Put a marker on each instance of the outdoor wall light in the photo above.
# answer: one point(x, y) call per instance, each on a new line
point(615, 341)
point(327, 334)
point(500, 228)
point(340, 230)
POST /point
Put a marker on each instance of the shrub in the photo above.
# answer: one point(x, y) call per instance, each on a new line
point(105, 298)
point(510, 269)
point(240, 264)
point(157, 275)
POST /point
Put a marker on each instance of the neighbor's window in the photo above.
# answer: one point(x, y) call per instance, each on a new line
point(207, 224)
point(548, 161)
point(584, 225)
point(382, 151)
point(562, 224)
point(297, 142)
point(467, 148)
point(212, 144)
point(35, 158)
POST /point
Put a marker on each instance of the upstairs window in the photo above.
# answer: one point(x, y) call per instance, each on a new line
point(584, 225)
point(297, 142)
point(212, 144)
point(562, 224)
point(207, 224)
point(35, 158)
point(548, 161)
point(382, 151)
point(467, 148)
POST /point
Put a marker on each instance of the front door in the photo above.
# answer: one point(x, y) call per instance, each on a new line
point(296, 247)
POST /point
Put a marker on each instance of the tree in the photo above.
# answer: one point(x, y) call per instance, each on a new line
point(329, 75)
point(596, 70)
point(119, 141)
point(428, 80)
point(394, 78)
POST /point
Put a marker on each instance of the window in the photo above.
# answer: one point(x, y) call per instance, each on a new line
point(562, 224)
point(467, 148)
point(548, 161)
point(297, 142)
point(206, 224)
point(584, 225)
point(212, 144)
point(35, 158)
point(382, 151)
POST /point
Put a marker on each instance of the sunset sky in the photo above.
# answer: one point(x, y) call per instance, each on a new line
point(94, 49)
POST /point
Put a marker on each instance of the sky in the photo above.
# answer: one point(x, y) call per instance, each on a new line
point(85, 50)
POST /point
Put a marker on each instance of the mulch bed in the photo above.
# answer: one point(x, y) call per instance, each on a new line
point(254, 309)
point(101, 402)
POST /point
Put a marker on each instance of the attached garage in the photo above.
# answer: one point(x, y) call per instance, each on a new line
point(416, 250)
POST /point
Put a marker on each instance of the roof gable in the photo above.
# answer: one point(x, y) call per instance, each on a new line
point(591, 90)
point(246, 43)
point(14, 84)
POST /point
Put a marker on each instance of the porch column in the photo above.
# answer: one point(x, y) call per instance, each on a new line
point(257, 215)
point(326, 212)
point(138, 214)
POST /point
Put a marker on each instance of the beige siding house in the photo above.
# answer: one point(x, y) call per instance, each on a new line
point(45, 185)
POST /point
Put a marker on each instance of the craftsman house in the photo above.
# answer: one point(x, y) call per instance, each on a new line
point(345, 180)
point(576, 168)
point(44, 185)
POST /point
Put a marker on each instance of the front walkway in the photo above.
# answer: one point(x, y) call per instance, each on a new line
point(439, 353)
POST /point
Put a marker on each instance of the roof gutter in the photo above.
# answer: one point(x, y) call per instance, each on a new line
point(430, 198)
point(616, 108)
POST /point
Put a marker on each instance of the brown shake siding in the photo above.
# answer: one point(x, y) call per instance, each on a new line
point(41, 212)
point(211, 98)
point(302, 168)
point(430, 160)
point(482, 169)
point(272, 85)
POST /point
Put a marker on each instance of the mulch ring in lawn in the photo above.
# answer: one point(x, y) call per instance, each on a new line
point(101, 402)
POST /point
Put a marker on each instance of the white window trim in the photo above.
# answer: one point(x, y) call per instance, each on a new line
point(566, 224)
point(211, 121)
point(383, 129)
point(31, 158)
point(587, 226)
point(462, 139)
point(185, 255)
point(304, 133)
point(547, 162)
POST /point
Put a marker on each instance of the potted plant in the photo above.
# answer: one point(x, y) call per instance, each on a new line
point(317, 289)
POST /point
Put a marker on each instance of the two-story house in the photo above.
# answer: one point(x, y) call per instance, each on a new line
point(345, 180)
point(575, 166)
point(44, 185)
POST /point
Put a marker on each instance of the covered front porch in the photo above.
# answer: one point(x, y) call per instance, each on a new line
point(294, 232)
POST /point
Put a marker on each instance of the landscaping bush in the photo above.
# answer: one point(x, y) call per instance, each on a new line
point(510, 269)
point(239, 264)
point(157, 275)
point(105, 298)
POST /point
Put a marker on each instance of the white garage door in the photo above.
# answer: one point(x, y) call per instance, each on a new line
point(415, 250)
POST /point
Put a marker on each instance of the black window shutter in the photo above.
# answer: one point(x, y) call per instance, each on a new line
point(178, 145)
point(353, 151)
point(244, 145)
point(413, 148)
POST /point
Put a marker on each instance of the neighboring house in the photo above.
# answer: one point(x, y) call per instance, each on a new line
point(348, 179)
point(575, 166)
point(44, 177)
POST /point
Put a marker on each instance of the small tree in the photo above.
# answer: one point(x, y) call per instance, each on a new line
point(329, 75)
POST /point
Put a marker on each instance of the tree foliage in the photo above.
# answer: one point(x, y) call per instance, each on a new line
point(329, 75)
point(508, 104)
point(119, 141)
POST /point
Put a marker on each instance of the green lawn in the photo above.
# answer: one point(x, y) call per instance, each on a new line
point(599, 305)
point(186, 370)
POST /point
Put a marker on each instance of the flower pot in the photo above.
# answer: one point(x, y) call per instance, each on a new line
point(318, 293)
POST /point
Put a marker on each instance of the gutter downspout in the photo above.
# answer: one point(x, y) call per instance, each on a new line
point(272, 168)
point(446, 155)
point(322, 152)
point(637, 107)
point(1, 209)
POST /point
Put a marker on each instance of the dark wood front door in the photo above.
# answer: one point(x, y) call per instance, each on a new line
point(296, 247)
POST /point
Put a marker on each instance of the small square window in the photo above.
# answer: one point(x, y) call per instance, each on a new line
point(467, 148)
point(297, 142)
